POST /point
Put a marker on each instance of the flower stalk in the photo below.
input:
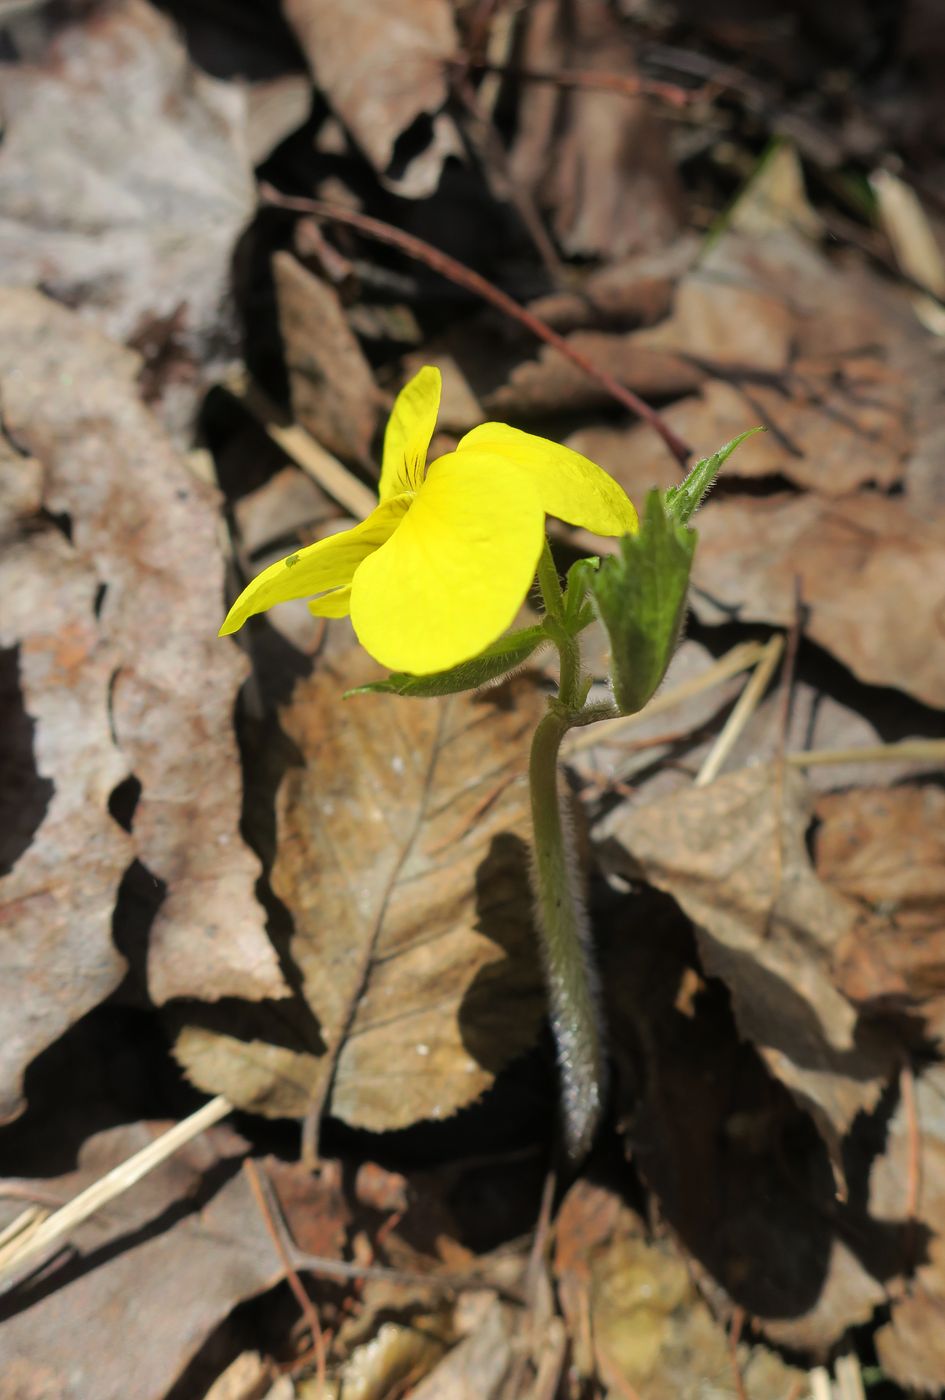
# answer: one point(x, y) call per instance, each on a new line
point(433, 579)
point(567, 950)
point(563, 925)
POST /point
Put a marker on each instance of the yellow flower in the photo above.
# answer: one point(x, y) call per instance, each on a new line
point(438, 571)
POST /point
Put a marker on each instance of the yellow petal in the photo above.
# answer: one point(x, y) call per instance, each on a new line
point(409, 430)
point(328, 564)
point(454, 575)
point(569, 486)
point(337, 603)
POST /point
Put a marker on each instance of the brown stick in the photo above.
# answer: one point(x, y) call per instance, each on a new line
point(491, 151)
point(594, 80)
point(464, 276)
point(295, 1283)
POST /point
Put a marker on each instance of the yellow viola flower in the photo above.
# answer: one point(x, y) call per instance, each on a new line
point(439, 570)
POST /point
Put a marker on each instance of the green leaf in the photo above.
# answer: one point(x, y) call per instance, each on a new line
point(681, 501)
point(641, 598)
point(496, 661)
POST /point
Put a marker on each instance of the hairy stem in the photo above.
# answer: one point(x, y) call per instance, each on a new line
point(566, 944)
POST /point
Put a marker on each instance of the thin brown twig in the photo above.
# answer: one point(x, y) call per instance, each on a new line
point(491, 152)
point(345, 1269)
point(598, 80)
point(309, 1311)
point(480, 286)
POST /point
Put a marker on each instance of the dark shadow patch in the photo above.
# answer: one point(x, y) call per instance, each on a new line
point(739, 1169)
point(503, 1009)
point(24, 794)
point(123, 801)
point(140, 896)
point(110, 1068)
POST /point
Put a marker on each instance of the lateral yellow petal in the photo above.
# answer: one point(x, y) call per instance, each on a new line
point(337, 603)
point(408, 433)
point(328, 564)
point(570, 486)
point(452, 578)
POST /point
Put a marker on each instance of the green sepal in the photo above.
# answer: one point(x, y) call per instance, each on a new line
point(641, 597)
point(503, 656)
point(683, 500)
point(578, 582)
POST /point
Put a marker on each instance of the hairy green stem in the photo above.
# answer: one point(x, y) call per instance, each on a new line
point(570, 972)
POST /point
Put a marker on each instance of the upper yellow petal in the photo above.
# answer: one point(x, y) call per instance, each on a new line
point(408, 433)
point(570, 486)
point(328, 564)
point(454, 575)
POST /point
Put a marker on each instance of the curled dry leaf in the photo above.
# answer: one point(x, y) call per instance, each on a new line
point(65, 852)
point(124, 182)
point(160, 1269)
point(401, 859)
point(871, 572)
point(330, 381)
point(733, 856)
point(381, 64)
point(148, 530)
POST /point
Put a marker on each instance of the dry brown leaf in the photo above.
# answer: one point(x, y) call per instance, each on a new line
point(382, 64)
point(551, 383)
point(400, 857)
point(634, 1312)
point(598, 160)
point(725, 324)
point(871, 573)
point(885, 849)
point(124, 183)
point(158, 1270)
point(66, 853)
point(908, 1185)
point(148, 530)
point(831, 428)
point(330, 381)
point(279, 510)
point(476, 1369)
point(733, 856)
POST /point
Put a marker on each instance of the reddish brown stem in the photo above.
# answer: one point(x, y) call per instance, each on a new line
point(628, 85)
point(305, 1303)
point(463, 276)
